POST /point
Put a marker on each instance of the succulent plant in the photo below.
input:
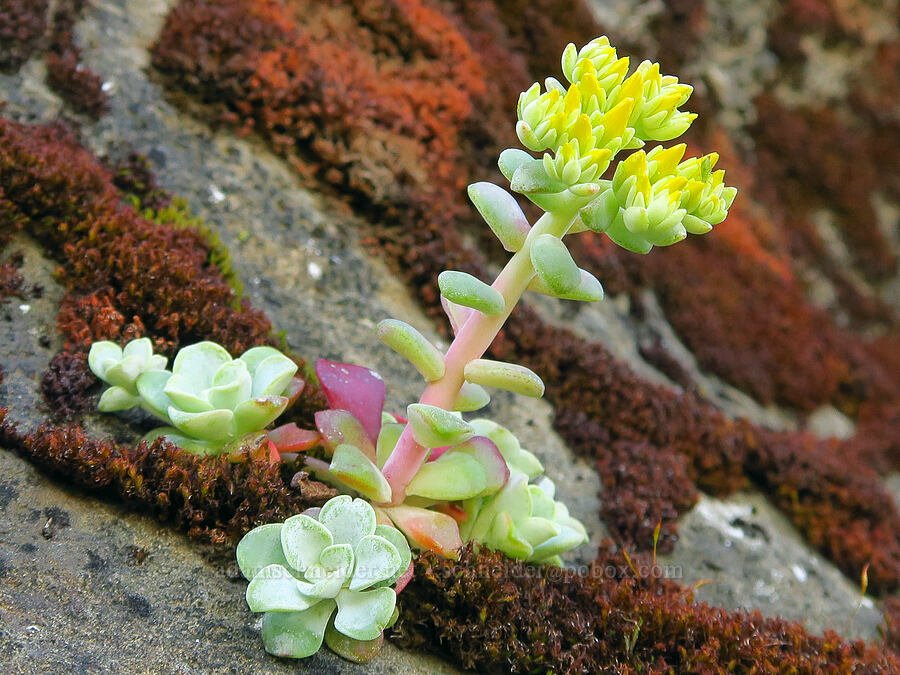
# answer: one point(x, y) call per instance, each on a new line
point(208, 400)
point(325, 575)
point(121, 368)
point(523, 520)
point(437, 470)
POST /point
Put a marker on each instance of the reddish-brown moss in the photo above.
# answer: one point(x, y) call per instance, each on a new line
point(22, 25)
point(493, 615)
point(66, 199)
point(69, 387)
point(77, 84)
point(10, 277)
point(24, 32)
point(212, 498)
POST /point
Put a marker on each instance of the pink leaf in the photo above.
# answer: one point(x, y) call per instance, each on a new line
point(294, 389)
point(427, 530)
point(291, 438)
point(274, 457)
point(340, 427)
point(404, 578)
point(456, 313)
point(355, 389)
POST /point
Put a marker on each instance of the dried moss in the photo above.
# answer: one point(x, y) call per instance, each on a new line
point(494, 615)
point(212, 498)
point(22, 25)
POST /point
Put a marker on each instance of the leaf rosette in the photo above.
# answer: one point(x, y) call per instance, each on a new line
point(208, 400)
point(325, 575)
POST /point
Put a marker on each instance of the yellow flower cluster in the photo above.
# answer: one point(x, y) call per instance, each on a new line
point(655, 199)
point(600, 113)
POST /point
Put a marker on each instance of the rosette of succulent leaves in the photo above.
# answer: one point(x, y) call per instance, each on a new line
point(210, 402)
point(325, 574)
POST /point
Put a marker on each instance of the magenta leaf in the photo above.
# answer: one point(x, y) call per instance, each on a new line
point(340, 427)
point(291, 438)
point(355, 389)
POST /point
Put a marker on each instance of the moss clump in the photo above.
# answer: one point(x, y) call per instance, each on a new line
point(212, 498)
point(494, 615)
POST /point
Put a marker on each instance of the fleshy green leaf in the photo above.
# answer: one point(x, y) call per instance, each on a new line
point(471, 397)
point(184, 441)
point(102, 355)
point(125, 372)
point(231, 385)
point(302, 541)
point(464, 289)
point(503, 537)
point(356, 470)
point(554, 265)
point(537, 530)
point(349, 520)
point(184, 394)
point(325, 578)
point(588, 290)
point(199, 362)
point(377, 559)
point(512, 377)
point(485, 452)
point(151, 387)
point(510, 160)
point(502, 213)
point(272, 375)
point(357, 651)
point(517, 458)
point(142, 348)
point(257, 413)
point(213, 425)
point(566, 540)
point(115, 399)
point(600, 214)
point(364, 615)
point(448, 478)
point(387, 440)
point(531, 178)
point(396, 537)
point(296, 634)
point(256, 355)
point(259, 548)
point(274, 589)
point(415, 347)
point(435, 427)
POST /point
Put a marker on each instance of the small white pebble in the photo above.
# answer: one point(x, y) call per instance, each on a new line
point(216, 195)
point(24, 308)
point(314, 270)
point(867, 603)
point(107, 86)
point(800, 573)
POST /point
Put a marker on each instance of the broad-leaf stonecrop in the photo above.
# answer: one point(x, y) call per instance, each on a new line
point(325, 575)
point(438, 478)
point(209, 401)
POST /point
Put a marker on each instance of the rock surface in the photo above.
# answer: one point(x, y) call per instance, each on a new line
point(87, 586)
